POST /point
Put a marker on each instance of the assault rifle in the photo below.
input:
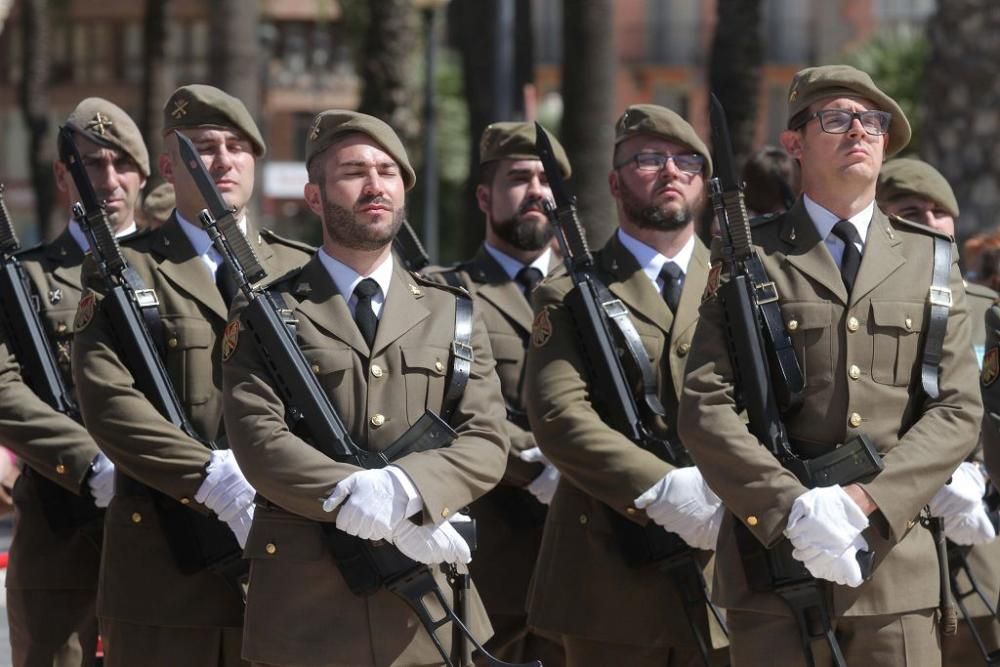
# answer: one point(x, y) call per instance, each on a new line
point(32, 346)
point(604, 324)
point(196, 541)
point(366, 566)
point(760, 349)
point(409, 249)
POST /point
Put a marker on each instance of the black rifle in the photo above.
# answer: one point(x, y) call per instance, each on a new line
point(758, 344)
point(409, 249)
point(597, 314)
point(196, 541)
point(366, 566)
point(32, 346)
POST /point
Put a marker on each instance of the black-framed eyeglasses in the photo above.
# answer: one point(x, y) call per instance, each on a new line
point(839, 121)
point(689, 163)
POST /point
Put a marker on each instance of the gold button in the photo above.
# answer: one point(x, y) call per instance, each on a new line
point(910, 524)
point(136, 517)
point(854, 372)
point(61, 469)
point(631, 511)
point(445, 512)
point(316, 368)
point(752, 520)
point(852, 324)
point(172, 343)
point(908, 323)
point(376, 370)
point(855, 419)
point(793, 325)
point(439, 366)
point(377, 419)
point(583, 519)
point(61, 327)
point(271, 548)
point(185, 501)
point(683, 349)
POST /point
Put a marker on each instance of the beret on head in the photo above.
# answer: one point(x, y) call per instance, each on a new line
point(661, 122)
point(106, 124)
point(816, 83)
point(330, 126)
point(159, 202)
point(906, 176)
point(198, 105)
point(516, 141)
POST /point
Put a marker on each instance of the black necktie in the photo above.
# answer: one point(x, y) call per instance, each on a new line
point(673, 283)
point(226, 283)
point(851, 260)
point(364, 315)
point(528, 277)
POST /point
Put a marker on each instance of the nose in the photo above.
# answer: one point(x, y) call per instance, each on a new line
point(670, 169)
point(374, 185)
point(856, 129)
point(535, 187)
point(222, 161)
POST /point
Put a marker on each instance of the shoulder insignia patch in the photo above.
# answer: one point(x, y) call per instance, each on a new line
point(712, 284)
point(541, 329)
point(230, 339)
point(991, 366)
point(85, 311)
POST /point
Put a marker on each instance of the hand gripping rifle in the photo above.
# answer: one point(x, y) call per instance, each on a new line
point(33, 348)
point(604, 325)
point(196, 541)
point(761, 349)
point(366, 566)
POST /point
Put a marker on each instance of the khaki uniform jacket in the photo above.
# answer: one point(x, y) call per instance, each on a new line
point(140, 581)
point(582, 585)
point(861, 362)
point(510, 519)
point(50, 443)
point(299, 610)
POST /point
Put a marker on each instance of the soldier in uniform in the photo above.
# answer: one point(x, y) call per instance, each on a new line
point(54, 556)
point(853, 288)
point(916, 191)
point(606, 612)
point(378, 339)
point(513, 259)
point(151, 612)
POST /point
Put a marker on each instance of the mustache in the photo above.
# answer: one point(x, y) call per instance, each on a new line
point(532, 204)
point(380, 200)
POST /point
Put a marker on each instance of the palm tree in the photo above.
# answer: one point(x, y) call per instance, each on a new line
point(34, 97)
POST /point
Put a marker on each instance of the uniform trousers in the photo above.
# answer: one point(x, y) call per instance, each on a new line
point(52, 628)
point(131, 644)
point(513, 642)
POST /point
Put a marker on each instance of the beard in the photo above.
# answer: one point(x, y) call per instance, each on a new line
point(343, 227)
point(666, 217)
point(522, 232)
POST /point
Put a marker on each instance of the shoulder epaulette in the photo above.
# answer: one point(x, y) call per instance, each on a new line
point(759, 220)
point(917, 227)
point(425, 281)
point(443, 268)
point(273, 237)
point(288, 276)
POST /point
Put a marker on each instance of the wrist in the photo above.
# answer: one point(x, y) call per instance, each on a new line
point(861, 498)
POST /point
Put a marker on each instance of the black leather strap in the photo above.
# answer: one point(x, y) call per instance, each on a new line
point(149, 306)
point(939, 299)
point(779, 343)
point(461, 357)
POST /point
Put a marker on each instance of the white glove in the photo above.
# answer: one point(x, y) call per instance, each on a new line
point(376, 502)
point(430, 544)
point(842, 568)
point(963, 494)
point(826, 520)
point(682, 503)
point(102, 480)
point(227, 492)
point(970, 528)
point(544, 486)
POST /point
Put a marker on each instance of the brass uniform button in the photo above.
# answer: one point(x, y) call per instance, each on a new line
point(316, 369)
point(445, 512)
point(683, 349)
point(910, 524)
point(752, 521)
point(377, 419)
point(136, 517)
point(61, 327)
point(855, 419)
point(376, 370)
point(271, 548)
point(854, 372)
point(61, 469)
point(631, 511)
point(853, 324)
point(908, 323)
point(439, 367)
point(185, 501)
point(172, 343)
point(583, 519)
point(793, 325)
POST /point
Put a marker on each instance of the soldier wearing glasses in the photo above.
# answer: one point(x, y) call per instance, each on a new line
point(854, 292)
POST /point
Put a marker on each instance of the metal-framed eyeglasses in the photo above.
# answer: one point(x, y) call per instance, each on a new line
point(839, 121)
point(689, 163)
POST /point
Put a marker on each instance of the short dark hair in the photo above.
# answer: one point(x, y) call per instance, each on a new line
point(770, 177)
point(487, 172)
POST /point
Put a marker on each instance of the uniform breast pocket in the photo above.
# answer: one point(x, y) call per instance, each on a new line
point(424, 370)
point(809, 323)
point(333, 368)
point(896, 327)
point(189, 345)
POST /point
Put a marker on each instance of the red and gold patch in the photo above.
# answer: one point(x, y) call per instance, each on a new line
point(541, 329)
point(230, 338)
point(991, 366)
point(85, 311)
point(712, 285)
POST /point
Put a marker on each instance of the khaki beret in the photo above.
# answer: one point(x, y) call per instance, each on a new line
point(906, 176)
point(198, 105)
point(330, 126)
point(516, 141)
point(816, 83)
point(159, 202)
point(106, 124)
point(661, 122)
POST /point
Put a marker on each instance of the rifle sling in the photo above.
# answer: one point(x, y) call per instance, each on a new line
point(939, 298)
point(779, 342)
point(461, 357)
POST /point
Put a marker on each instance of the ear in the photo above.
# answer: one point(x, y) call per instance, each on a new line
point(61, 174)
point(614, 185)
point(314, 198)
point(483, 199)
point(791, 141)
point(166, 168)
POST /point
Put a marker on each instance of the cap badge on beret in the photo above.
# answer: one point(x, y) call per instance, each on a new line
point(99, 124)
point(314, 132)
point(180, 108)
point(793, 94)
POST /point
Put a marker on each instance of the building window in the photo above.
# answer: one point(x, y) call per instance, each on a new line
point(788, 27)
point(674, 98)
point(132, 53)
point(673, 31)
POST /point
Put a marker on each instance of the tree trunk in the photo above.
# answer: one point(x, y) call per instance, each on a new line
point(233, 49)
point(961, 102)
point(157, 83)
point(588, 85)
point(389, 59)
point(34, 91)
point(734, 69)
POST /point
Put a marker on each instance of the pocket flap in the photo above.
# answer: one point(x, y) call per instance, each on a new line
point(329, 361)
point(278, 534)
point(906, 315)
point(188, 333)
point(806, 315)
point(433, 360)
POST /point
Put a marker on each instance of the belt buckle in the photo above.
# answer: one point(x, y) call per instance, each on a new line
point(462, 350)
point(769, 292)
point(939, 296)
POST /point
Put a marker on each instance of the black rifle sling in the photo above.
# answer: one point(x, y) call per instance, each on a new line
point(780, 343)
point(461, 357)
point(939, 297)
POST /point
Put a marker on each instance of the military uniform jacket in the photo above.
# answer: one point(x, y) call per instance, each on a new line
point(300, 611)
point(582, 585)
point(510, 518)
point(140, 581)
point(861, 360)
point(50, 443)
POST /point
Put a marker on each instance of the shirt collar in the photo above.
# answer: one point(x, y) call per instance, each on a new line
point(197, 235)
point(81, 239)
point(651, 260)
point(346, 278)
point(512, 266)
point(825, 220)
